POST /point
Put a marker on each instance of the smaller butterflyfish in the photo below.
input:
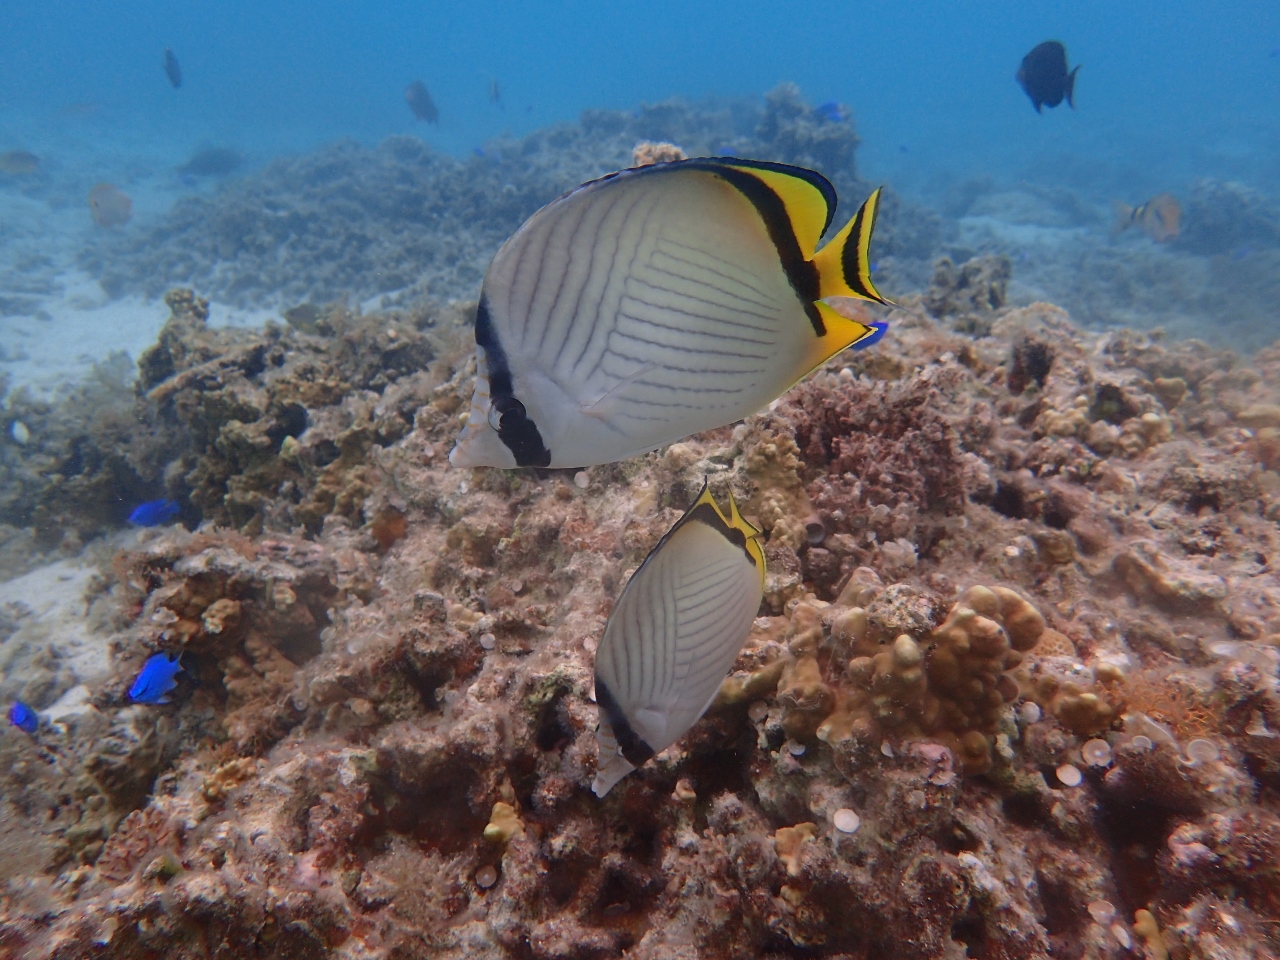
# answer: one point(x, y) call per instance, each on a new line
point(674, 634)
point(156, 679)
point(1159, 218)
point(656, 303)
point(24, 718)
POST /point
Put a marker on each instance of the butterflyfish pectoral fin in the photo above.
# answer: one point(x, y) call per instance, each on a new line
point(844, 264)
point(599, 407)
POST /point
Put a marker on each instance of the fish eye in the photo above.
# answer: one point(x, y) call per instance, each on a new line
point(510, 411)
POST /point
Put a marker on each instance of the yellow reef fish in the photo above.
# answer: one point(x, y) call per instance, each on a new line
point(656, 303)
point(674, 634)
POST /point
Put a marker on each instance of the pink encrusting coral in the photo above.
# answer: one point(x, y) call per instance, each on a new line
point(1015, 571)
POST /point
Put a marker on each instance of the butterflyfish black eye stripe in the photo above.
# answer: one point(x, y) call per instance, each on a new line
point(801, 272)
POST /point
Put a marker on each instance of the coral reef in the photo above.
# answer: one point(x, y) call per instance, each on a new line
point(1012, 691)
point(402, 219)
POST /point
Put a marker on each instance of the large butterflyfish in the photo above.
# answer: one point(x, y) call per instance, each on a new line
point(674, 634)
point(656, 303)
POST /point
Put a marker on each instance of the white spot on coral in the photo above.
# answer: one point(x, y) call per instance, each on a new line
point(1096, 753)
point(846, 821)
point(1103, 911)
point(486, 877)
point(1069, 776)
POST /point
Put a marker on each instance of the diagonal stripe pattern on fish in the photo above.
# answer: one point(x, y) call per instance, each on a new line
point(674, 634)
point(656, 303)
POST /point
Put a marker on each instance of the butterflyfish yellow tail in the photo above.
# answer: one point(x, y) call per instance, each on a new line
point(844, 264)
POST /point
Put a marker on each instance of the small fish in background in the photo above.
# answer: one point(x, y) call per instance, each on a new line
point(1275, 52)
point(495, 93)
point(831, 112)
point(110, 206)
point(19, 163)
point(673, 635)
point(212, 162)
point(1242, 253)
point(419, 100)
point(156, 679)
point(171, 68)
point(154, 512)
point(24, 718)
point(1159, 217)
point(1044, 78)
point(733, 310)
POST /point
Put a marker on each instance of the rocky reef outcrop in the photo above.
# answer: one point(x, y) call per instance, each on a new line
point(1012, 691)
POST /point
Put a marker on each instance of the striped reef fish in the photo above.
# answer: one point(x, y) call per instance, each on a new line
point(656, 303)
point(1158, 218)
point(674, 634)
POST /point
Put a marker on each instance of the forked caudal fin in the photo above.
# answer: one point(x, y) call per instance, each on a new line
point(844, 264)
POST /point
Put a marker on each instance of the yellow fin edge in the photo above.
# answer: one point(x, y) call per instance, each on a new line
point(845, 270)
point(806, 206)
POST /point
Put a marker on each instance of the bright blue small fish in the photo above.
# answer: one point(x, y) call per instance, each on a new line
point(154, 512)
point(1242, 253)
point(23, 717)
point(880, 328)
point(831, 112)
point(156, 679)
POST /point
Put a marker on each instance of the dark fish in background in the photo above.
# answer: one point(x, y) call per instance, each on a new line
point(156, 679)
point(495, 92)
point(171, 68)
point(1044, 77)
point(23, 717)
point(154, 512)
point(110, 206)
point(1158, 218)
point(420, 102)
point(17, 163)
point(212, 162)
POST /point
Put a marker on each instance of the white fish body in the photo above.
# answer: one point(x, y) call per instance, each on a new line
point(673, 636)
point(654, 304)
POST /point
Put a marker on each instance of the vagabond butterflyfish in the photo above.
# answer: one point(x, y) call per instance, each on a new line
point(656, 303)
point(674, 634)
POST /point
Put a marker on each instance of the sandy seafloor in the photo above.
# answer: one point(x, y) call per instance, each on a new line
point(1021, 616)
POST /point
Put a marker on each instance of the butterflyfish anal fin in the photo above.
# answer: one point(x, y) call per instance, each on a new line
point(844, 264)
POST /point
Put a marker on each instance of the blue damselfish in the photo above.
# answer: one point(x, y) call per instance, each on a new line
point(156, 679)
point(23, 717)
point(154, 512)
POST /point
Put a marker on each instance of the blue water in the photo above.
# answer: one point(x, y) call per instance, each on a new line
point(1168, 90)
